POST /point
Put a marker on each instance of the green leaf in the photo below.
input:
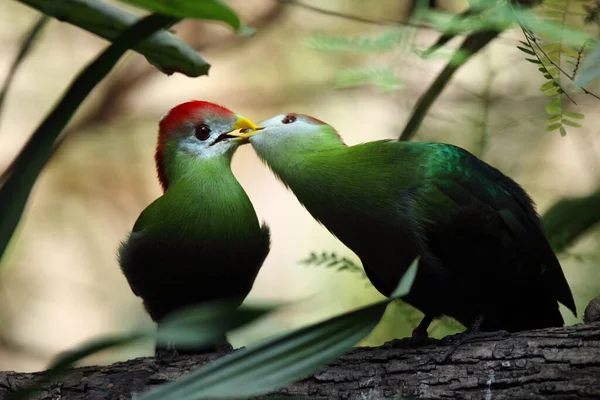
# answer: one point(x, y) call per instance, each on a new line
point(553, 71)
point(206, 324)
point(527, 51)
point(534, 60)
point(407, 280)
point(554, 107)
point(275, 363)
point(30, 162)
point(281, 360)
point(573, 115)
point(552, 92)
point(547, 86)
point(563, 131)
point(571, 123)
point(163, 49)
point(553, 127)
point(23, 51)
point(555, 117)
point(200, 9)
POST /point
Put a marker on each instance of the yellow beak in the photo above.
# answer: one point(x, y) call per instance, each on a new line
point(248, 133)
point(245, 124)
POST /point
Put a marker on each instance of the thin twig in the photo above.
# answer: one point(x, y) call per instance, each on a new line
point(355, 17)
point(529, 36)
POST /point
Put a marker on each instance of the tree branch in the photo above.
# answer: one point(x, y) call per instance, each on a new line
point(555, 363)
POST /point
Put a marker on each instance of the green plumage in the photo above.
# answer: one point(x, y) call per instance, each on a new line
point(480, 241)
point(201, 241)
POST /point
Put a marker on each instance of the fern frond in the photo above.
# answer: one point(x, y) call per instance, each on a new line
point(381, 42)
point(331, 260)
point(384, 78)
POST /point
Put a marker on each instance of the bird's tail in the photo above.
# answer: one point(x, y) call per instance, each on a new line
point(535, 316)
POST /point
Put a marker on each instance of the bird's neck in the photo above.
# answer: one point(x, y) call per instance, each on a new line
point(204, 198)
point(289, 159)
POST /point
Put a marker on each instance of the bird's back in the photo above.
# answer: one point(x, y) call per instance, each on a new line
point(486, 239)
point(481, 245)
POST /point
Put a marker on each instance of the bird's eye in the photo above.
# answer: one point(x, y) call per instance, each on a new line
point(288, 119)
point(202, 132)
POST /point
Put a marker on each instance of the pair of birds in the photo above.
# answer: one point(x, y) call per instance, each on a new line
point(484, 259)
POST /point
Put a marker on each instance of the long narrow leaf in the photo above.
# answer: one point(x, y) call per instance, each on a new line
point(198, 326)
point(163, 49)
point(31, 160)
point(289, 357)
point(282, 360)
point(23, 51)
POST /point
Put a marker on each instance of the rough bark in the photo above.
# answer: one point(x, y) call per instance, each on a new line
point(557, 363)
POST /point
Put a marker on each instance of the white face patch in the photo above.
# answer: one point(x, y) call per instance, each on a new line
point(276, 133)
point(190, 144)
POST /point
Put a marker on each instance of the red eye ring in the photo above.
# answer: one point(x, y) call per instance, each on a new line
point(288, 119)
point(202, 132)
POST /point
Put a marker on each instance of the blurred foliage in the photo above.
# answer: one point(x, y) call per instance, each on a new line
point(558, 38)
point(568, 219)
point(286, 358)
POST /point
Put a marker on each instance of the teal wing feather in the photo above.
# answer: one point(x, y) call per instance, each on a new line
point(484, 223)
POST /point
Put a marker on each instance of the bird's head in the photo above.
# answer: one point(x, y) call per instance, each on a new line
point(197, 129)
point(293, 133)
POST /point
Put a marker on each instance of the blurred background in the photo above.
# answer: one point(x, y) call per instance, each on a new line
point(60, 283)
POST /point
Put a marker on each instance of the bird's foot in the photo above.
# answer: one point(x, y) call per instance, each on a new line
point(165, 356)
point(420, 337)
point(457, 340)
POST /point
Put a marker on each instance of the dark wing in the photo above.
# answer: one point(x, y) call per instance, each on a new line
point(475, 205)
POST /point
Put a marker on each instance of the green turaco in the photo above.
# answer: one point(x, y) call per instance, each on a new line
point(201, 241)
point(485, 260)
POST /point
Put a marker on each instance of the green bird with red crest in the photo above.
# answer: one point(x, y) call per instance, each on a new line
point(201, 241)
point(484, 259)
